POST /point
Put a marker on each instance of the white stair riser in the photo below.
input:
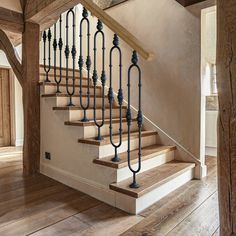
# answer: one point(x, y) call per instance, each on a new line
point(136, 205)
point(108, 150)
point(74, 115)
point(49, 89)
point(64, 101)
point(91, 131)
point(148, 164)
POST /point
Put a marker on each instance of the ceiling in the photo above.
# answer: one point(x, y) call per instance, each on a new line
point(11, 4)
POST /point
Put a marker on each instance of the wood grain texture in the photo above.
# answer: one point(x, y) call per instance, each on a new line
point(11, 20)
point(226, 81)
point(12, 56)
point(5, 122)
point(116, 137)
point(37, 205)
point(162, 217)
point(152, 179)
point(147, 153)
point(31, 98)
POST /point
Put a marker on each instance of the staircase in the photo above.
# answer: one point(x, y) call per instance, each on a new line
point(74, 153)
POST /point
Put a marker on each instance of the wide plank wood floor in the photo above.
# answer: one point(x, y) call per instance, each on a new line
point(40, 206)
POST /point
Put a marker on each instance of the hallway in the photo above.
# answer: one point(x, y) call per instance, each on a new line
point(41, 206)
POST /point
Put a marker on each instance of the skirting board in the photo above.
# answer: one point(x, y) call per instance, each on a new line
point(211, 151)
point(89, 187)
point(19, 142)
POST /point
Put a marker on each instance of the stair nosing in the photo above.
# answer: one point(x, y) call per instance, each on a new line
point(66, 95)
point(110, 164)
point(67, 108)
point(127, 192)
point(103, 143)
point(43, 83)
point(92, 123)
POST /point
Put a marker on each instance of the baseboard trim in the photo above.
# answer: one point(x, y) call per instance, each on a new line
point(19, 142)
point(89, 187)
point(211, 151)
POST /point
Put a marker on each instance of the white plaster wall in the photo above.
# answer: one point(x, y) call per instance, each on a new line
point(19, 128)
point(172, 81)
point(11, 4)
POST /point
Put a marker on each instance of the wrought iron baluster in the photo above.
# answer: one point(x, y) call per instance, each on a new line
point(88, 64)
point(60, 45)
point(134, 60)
point(119, 97)
point(70, 92)
point(103, 78)
point(55, 53)
point(45, 37)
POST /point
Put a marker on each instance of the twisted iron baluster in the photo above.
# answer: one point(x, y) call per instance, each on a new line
point(103, 77)
point(81, 63)
point(139, 118)
point(45, 37)
point(119, 97)
point(55, 54)
point(73, 54)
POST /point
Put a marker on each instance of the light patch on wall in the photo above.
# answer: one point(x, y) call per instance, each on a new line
point(104, 4)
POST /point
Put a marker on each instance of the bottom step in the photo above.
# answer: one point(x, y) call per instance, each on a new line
point(154, 185)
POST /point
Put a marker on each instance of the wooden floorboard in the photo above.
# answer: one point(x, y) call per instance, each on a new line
point(40, 206)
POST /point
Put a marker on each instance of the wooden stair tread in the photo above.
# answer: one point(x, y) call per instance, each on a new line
point(152, 179)
point(64, 85)
point(65, 108)
point(58, 68)
point(63, 76)
point(106, 139)
point(92, 123)
point(66, 95)
point(147, 153)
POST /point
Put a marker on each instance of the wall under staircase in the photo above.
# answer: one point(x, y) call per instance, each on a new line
point(78, 160)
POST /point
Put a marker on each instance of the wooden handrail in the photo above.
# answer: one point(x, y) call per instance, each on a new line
point(129, 38)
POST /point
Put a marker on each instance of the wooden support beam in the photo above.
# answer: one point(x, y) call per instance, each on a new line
point(46, 12)
point(12, 56)
point(186, 3)
point(11, 21)
point(226, 79)
point(31, 98)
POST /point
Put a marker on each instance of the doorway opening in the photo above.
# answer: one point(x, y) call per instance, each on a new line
point(11, 108)
point(209, 86)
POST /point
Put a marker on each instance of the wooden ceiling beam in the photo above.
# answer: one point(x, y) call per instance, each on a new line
point(46, 12)
point(12, 56)
point(11, 21)
point(187, 3)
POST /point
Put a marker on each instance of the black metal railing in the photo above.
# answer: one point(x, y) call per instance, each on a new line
point(116, 145)
point(115, 75)
point(88, 64)
point(47, 36)
point(95, 79)
point(139, 117)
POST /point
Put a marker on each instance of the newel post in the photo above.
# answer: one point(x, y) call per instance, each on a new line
point(31, 98)
point(226, 79)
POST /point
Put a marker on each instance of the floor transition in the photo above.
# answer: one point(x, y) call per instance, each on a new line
point(41, 206)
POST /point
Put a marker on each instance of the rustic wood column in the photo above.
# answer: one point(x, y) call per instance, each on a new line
point(226, 79)
point(31, 98)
